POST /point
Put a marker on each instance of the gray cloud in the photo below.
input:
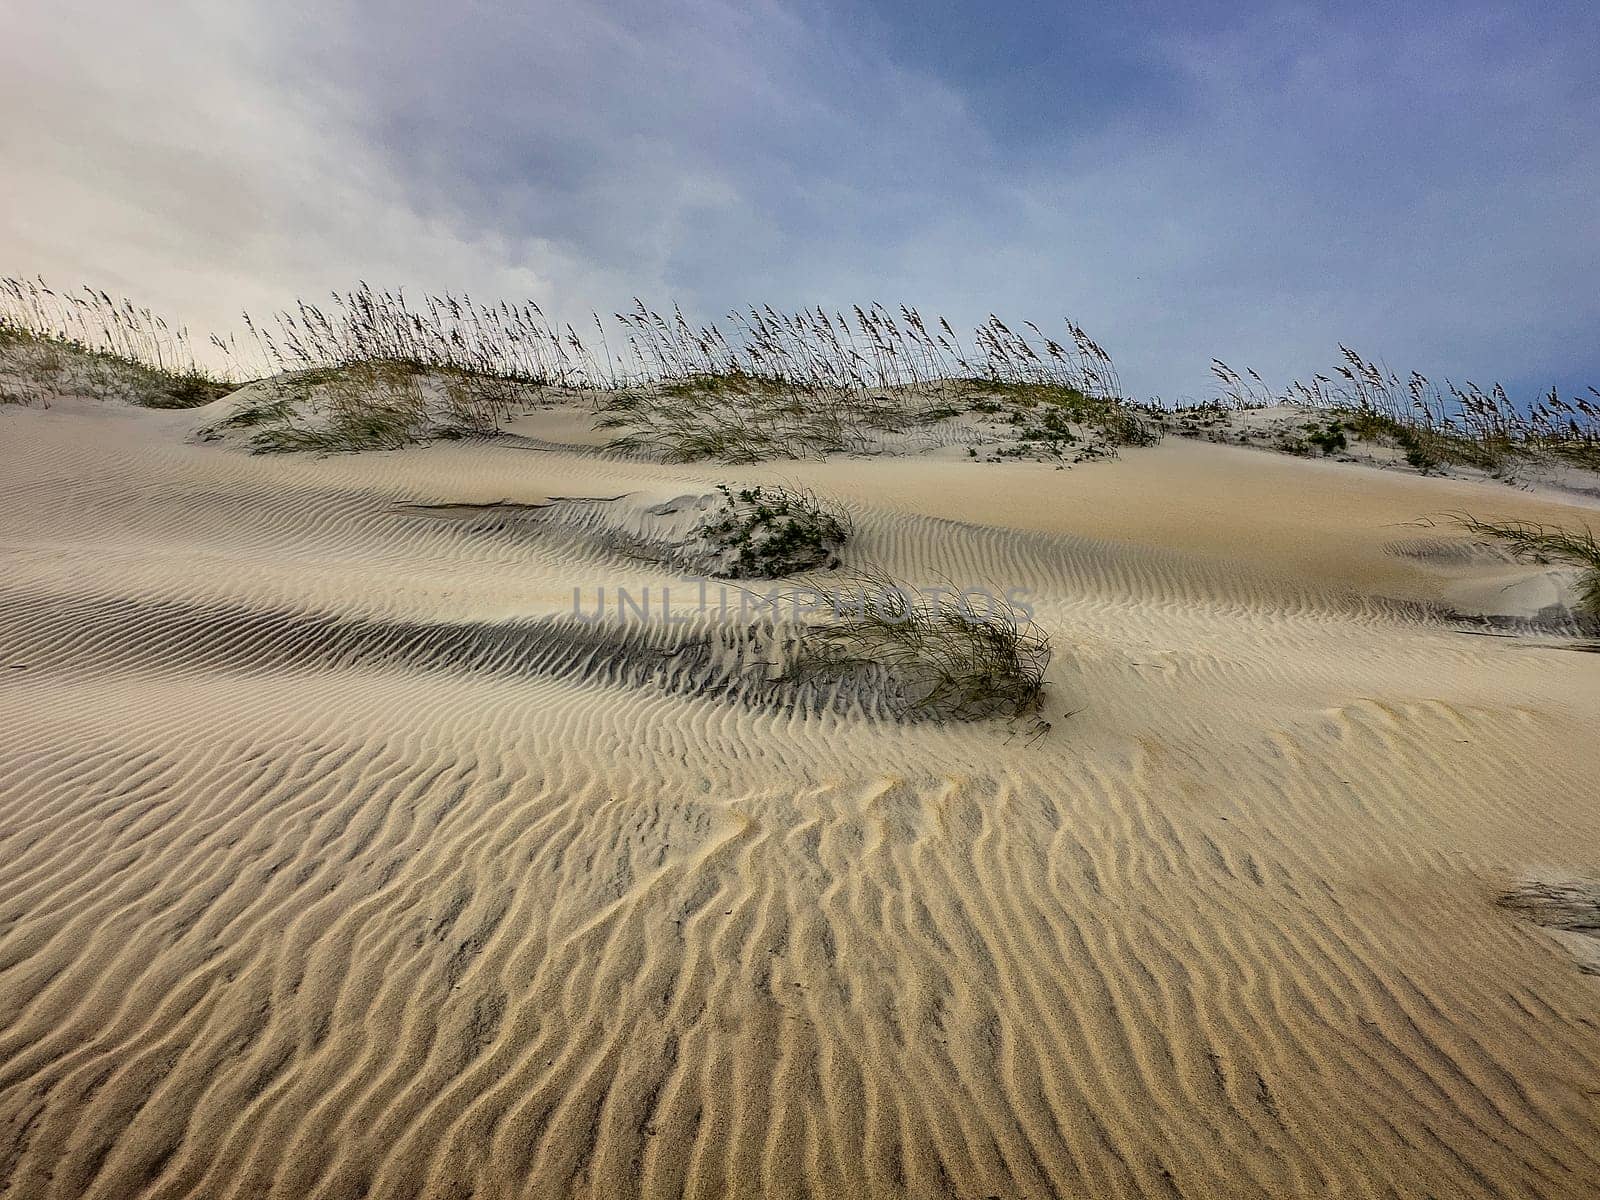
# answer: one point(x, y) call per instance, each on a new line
point(1259, 189)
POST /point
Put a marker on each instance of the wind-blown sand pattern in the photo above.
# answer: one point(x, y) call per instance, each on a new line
point(323, 873)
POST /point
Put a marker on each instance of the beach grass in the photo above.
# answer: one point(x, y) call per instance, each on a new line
point(1433, 424)
point(1531, 541)
point(84, 342)
point(945, 656)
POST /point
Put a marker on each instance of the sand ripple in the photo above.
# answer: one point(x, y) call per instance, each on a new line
point(325, 871)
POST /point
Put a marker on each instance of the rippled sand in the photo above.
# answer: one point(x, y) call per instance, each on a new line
point(321, 876)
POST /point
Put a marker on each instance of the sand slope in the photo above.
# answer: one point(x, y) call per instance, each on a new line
point(316, 881)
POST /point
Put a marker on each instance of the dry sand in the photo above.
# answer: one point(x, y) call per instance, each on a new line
point(317, 879)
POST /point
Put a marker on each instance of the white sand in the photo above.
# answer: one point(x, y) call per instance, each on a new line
point(295, 901)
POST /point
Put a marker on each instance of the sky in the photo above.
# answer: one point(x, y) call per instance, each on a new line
point(1256, 182)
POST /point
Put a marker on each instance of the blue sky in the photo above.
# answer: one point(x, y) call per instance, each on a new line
point(1256, 182)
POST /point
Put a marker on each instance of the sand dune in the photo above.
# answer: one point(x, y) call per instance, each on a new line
point(325, 870)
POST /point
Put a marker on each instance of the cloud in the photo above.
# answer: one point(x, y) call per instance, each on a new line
point(1251, 183)
point(178, 162)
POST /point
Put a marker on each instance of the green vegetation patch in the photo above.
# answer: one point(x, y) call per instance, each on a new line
point(769, 532)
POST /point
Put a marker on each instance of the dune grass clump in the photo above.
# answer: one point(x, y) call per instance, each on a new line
point(945, 657)
point(1433, 425)
point(361, 406)
point(1533, 542)
point(806, 384)
point(728, 419)
point(1431, 446)
point(86, 343)
point(371, 370)
point(767, 532)
point(369, 406)
point(496, 350)
point(741, 420)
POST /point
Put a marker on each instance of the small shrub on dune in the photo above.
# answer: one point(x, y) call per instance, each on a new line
point(766, 532)
point(1056, 414)
point(1329, 439)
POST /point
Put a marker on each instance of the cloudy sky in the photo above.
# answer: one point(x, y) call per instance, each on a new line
point(1253, 181)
